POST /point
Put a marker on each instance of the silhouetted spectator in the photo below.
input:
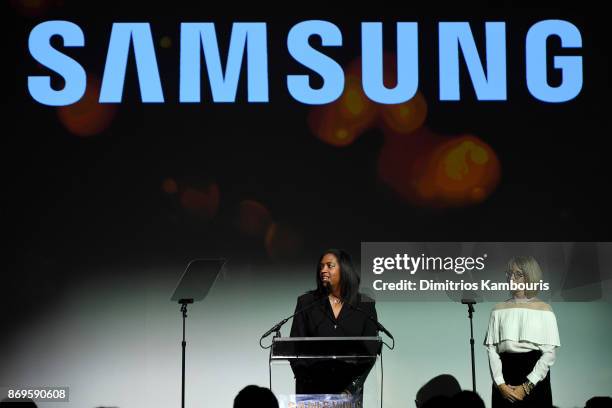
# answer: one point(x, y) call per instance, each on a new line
point(439, 389)
point(599, 402)
point(254, 396)
point(25, 403)
point(438, 401)
point(467, 399)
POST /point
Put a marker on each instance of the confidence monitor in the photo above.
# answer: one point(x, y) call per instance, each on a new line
point(197, 279)
point(193, 286)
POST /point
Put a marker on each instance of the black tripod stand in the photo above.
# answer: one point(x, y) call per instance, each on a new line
point(470, 303)
point(184, 303)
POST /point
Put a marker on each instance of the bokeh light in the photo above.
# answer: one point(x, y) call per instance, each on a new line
point(201, 201)
point(421, 166)
point(33, 8)
point(165, 42)
point(428, 169)
point(169, 186)
point(400, 118)
point(282, 242)
point(340, 123)
point(404, 118)
point(254, 218)
point(87, 117)
point(403, 160)
point(463, 171)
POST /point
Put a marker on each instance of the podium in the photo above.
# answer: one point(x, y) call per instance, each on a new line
point(317, 352)
point(325, 348)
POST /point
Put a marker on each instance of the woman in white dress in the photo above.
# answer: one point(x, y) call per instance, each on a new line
point(521, 341)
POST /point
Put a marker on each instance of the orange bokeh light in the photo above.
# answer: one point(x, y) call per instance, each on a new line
point(340, 123)
point(343, 121)
point(403, 160)
point(169, 186)
point(204, 202)
point(430, 170)
point(404, 118)
point(282, 242)
point(87, 117)
point(33, 8)
point(464, 170)
point(400, 118)
point(253, 218)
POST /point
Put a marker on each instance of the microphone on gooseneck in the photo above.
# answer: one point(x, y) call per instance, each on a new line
point(372, 318)
point(280, 324)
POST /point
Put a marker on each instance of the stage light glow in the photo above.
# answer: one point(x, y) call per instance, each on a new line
point(405, 117)
point(282, 242)
point(354, 104)
point(462, 171)
point(403, 161)
point(32, 8)
point(329, 127)
point(201, 201)
point(253, 218)
point(169, 186)
point(87, 117)
point(430, 170)
point(165, 42)
point(342, 122)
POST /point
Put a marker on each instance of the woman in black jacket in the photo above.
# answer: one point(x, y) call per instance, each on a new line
point(338, 310)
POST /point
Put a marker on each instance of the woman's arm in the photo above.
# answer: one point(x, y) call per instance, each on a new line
point(298, 329)
point(298, 325)
point(509, 392)
point(495, 365)
point(369, 329)
point(547, 359)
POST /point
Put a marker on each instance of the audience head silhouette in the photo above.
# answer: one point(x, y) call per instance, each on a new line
point(597, 402)
point(437, 391)
point(254, 396)
point(24, 403)
point(467, 399)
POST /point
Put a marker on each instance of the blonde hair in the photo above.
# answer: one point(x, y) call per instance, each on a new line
point(531, 268)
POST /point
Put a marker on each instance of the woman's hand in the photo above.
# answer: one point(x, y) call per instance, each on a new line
point(519, 391)
point(510, 392)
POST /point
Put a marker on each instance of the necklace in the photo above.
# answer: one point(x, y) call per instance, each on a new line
point(335, 300)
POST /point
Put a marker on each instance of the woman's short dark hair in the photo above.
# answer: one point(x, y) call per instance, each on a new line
point(349, 277)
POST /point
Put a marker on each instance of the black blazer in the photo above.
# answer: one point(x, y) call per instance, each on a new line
point(331, 377)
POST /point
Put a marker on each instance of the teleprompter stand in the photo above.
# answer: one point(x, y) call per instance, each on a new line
point(193, 286)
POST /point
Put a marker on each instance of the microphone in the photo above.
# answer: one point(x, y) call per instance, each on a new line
point(280, 324)
point(372, 318)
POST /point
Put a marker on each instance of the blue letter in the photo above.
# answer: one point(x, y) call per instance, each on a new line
point(571, 67)
point(224, 85)
point(74, 75)
point(489, 87)
point(332, 73)
point(116, 63)
point(407, 63)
